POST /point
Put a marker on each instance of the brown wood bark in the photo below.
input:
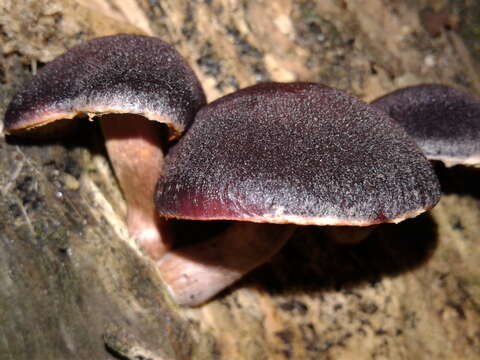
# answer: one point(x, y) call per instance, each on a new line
point(73, 287)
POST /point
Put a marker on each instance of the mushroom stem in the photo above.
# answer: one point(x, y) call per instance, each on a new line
point(348, 235)
point(134, 145)
point(195, 273)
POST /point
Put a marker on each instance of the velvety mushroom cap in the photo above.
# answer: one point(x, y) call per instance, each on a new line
point(128, 80)
point(295, 153)
point(444, 121)
point(114, 74)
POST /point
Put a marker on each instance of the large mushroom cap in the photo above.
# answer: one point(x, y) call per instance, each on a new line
point(114, 74)
point(295, 153)
point(444, 121)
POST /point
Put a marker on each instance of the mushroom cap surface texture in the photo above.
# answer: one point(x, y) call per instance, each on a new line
point(443, 120)
point(113, 74)
point(299, 153)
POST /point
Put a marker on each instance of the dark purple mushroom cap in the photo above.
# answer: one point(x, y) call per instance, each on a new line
point(295, 153)
point(444, 121)
point(114, 74)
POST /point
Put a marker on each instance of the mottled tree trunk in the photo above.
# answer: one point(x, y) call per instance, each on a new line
point(72, 286)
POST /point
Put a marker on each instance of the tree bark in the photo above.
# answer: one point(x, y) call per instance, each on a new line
point(73, 286)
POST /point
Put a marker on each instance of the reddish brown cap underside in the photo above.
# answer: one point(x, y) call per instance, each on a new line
point(444, 121)
point(301, 153)
point(115, 74)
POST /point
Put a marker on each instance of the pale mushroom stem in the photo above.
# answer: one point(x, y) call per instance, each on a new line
point(134, 145)
point(195, 273)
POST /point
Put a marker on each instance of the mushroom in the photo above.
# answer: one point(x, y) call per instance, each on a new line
point(443, 121)
point(142, 91)
point(269, 157)
point(290, 154)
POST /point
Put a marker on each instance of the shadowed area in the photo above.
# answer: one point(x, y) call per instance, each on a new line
point(182, 230)
point(309, 263)
point(68, 132)
point(458, 179)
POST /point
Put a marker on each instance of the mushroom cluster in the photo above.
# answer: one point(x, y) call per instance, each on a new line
point(267, 158)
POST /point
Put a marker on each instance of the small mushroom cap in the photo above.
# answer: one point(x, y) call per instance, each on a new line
point(444, 121)
point(295, 153)
point(114, 74)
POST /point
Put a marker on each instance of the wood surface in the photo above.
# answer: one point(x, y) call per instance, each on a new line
point(72, 285)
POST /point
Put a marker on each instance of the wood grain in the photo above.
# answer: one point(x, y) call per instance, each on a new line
point(72, 285)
